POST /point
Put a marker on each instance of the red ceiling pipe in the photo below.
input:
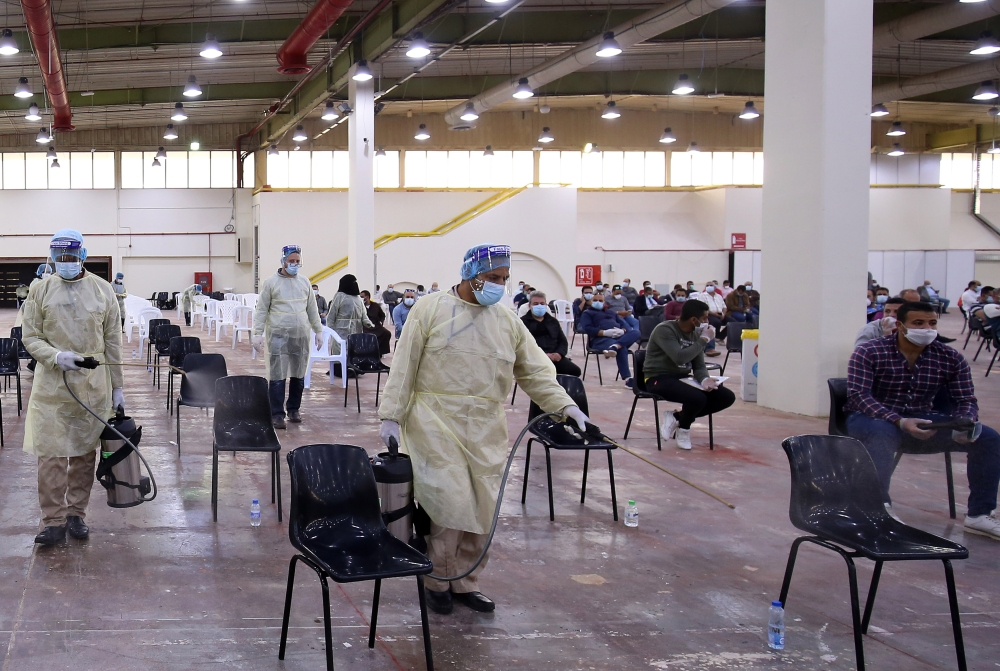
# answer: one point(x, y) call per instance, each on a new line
point(42, 30)
point(292, 54)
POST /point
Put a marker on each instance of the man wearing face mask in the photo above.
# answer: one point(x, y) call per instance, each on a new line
point(402, 310)
point(608, 332)
point(617, 303)
point(880, 327)
point(548, 334)
point(320, 304)
point(582, 303)
point(672, 310)
point(391, 298)
point(286, 312)
point(628, 291)
point(444, 404)
point(892, 384)
point(187, 301)
point(646, 302)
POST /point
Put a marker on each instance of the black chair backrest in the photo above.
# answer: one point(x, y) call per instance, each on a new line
point(975, 323)
point(9, 362)
point(164, 334)
point(574, 387)
point(200, 374)
point(639, 379)
point(22, 351)
point(243, 413)
point(363, 352)
point(838, 397)
point(161, 297)
point(647, 323)
point(153, 325)
point(333, 488)
point(734, 336)
point(834, 486)
point(180, 347)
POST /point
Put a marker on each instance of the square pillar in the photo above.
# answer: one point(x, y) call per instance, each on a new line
point(361, 194)
point(817, 140)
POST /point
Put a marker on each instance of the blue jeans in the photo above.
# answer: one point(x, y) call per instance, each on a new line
point(625, 342)
point(276, 390)
point(883, 439)
point(631, 321)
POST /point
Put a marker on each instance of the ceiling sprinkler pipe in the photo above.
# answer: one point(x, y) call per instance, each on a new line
point(293, 54)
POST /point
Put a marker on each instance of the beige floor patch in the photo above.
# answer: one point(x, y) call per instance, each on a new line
point(589, 579)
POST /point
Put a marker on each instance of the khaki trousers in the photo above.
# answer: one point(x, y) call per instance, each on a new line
point(64, 485)
point(452, 552)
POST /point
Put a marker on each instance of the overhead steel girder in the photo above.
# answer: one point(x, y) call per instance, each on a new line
point(384, 31)
point(165, 94)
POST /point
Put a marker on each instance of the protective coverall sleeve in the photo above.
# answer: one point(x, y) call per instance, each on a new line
point(535, 373)
point(31, 326)
point(312, 312)
point(263, 306)
point(405, 363)
point(113, 345)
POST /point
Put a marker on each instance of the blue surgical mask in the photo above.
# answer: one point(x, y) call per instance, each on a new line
point(539, 310)
point(490, 293)
point(69, 270)
point(293, 269)
point(597, 305)
point(588, 295)
point(881, 298)
point(681, 299)
point(408, 302)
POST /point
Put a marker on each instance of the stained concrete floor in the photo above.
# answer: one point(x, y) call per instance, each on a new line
point(163, 587)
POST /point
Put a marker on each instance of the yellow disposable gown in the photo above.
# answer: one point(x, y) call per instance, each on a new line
point(451, 373)
point(187, 298)
point(347, 315)
point(286, 312)
point(70, 316)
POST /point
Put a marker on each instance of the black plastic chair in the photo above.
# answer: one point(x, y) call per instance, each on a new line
point(734, 342)
point(336, 525)
point(597, 353)
point(242, 423)
point(22, 351)
point(639, 391)
point(838, 427)
point(363, 356)
point(995, 338)
point(647, 323)
point(10, 366)
point(161, 348)
point(975, 327)
point(198, 384)
point(150, 340)
point(836, 498)
point(552, 435)
point(179, 348)
point(1, 422)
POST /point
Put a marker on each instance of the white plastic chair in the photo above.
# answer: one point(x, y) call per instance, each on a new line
point(198, 310)
point(144, 317)
point(244, 324)
point(225, 316)
point(250, 300)
point(323, 354)
point(133, 306)
point(211, 314)
point(564, 313)
point(230, 297)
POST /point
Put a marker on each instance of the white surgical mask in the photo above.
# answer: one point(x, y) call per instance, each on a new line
point(700, 329)
point(599, 287)
point(597, 305)
point(921, 337)
point(292, 269)
point(749, 287)
point(624, 284)
point(408, 302)
point(315, 292)
point(710, 288)
point(588, 296)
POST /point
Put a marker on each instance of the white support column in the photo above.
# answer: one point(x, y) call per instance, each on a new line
point(817, 139)
point(361, 194)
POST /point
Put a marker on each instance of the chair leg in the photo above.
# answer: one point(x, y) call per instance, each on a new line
point(178, 429)
point(586, 362)
point(967, 338)
point(600, 376)
point(272, 474)
point(18, 376)
point(514, 395)
point(614, 495)
point(371, 630)
point(956, 621)
point(277, 480)
point(870, 601)
point(215, 482)
point(357, 390)
point(951, 484)
point(635, 400)
point(859, 644)
point(656, 418)
point(327, 629)
point(711, 434)
point(288, 606)
point(548, 473)
point(980, 349)
point(724, 362)
point(586, 463)
point(378, 386)
point(789, 567)
point(527, 461)
point(347, 385)
point(992, 361)
point(423, 624)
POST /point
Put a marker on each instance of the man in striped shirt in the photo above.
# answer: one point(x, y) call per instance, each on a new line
point(892, 385)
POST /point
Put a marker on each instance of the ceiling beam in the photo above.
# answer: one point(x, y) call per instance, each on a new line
point(164, 95)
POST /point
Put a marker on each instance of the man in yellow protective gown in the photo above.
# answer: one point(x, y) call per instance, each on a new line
point(68, 316)
point(187, 301)
point(454, 364)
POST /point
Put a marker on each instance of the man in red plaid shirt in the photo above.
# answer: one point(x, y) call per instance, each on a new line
point(892, 385)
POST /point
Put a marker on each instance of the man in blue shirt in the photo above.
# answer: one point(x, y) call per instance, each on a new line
point(608, 332)
point(400, 311)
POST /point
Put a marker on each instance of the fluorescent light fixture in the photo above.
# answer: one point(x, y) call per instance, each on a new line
point(496, 2)
point(55, 164)
point(33, 114)
point(300, 134)
point(668, 137)
point(43, 136)
point(523, 90)
point(51, 153)
point(191, 89)
point(87, 94)
point(170, 133)
point(272, 150)
point(23, 89)
point(179, 113)
point(610, 111)
point(896, 150)
point(156, 163)
point(470, 113)
point(546, 136)
point(749, 111)
point(362, 72)
point(161, 153)
point(422, 133)
point(380, 152)
point(329, 112)
point(195, 145)
point(693, 148)
point(970, 2)
point(683, 86)
point(210, 49)
point(986, 91)
point(8, 45)
point(488, 151)
point(896, 130)
point(609, 46)
point(879, 110)
point(418, 47)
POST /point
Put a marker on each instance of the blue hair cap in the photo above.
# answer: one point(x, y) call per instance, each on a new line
point(482, 258)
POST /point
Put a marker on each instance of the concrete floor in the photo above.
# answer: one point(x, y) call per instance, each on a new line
point(161, 586)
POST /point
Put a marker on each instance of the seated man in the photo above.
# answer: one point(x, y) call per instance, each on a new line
point(609, 333)
point(377, 317)
point(930, 295)
point(549, 335)
point(970, 296)
point(881, 296)
point(913, 296)
point(672, 310)
point(738, 305)
point(620, 305)
point(891, 386)
point(881, 327)
point(629, 292)
point(582, 303)
point(646, 302)
point(676, 350)
point(403, 309)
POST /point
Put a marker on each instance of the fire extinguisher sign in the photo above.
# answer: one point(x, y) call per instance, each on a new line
point(587, 275)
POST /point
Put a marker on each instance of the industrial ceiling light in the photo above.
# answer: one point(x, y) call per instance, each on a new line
point(344, 108)
point(329, 112)
point(272, 150)
point(23, 89)
point(418, 47)
point(422, 133)
point(994, 149)
point(55, 164)
point(488, 151)
point(591, 148)
point(609, 46)
point(8, 45)
point(362, 72)
point(156, 163)
point(749, 111)
point(33, 114)
point(170, 133)
point(986, 91)
point(179, 113)
point(191, 89)
point(668, 137)
point(51, 153)
point(380, 152)
point(879, 110)
point(896, 130)
point(994, 111)
point(496, 2)
point(683, 86)
point(210, 49)
point(986, 44)
point(43, 136)
point(610, 111)
point(470, 113)
point(544, 109)
point(546, 136)
point(300, 134)
point(693, 148)
point(971, 1)
point(161, 153)
point(523, 90)
point(195, 145)
point(896, 150)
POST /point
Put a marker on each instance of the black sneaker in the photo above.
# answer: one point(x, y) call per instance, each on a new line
point(278, 422)
point(439, 602)
point(76, 527)
point(476, 601)
point(52, 535)
point(294, 417)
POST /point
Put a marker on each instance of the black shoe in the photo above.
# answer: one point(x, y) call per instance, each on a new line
point(51, 535)
point(945, 339)
point(439, 602)
point(76, 527)
point(278, 422)
point(294, 417)
point(475, 601)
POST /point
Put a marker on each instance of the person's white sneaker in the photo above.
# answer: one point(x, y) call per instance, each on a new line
point(984, 525)
point(684, 439)
point(888, 509)
point(668, 426)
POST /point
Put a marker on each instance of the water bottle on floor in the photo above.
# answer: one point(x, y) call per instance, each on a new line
point(631, 515)
point(255, 513)
point(776, 627)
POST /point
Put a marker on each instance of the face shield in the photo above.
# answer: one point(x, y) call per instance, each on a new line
point(68, 254)
point(487, 267)
point(293, 267)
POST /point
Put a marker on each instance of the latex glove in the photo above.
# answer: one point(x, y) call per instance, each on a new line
point(577, 416)
point(257, 342)
point(709, 334)
point(117, 399)
point(68, 360)
point(709, 384)
point(319, 341)
point(888, 325)
point(966, 437)
point(909, 425)
point(389, 429)
point(613, 333)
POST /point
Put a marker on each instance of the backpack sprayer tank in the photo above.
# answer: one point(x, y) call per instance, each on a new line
point(118, 471)
point(394, 477)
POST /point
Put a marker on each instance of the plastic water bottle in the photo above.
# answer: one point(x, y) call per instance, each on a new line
point(776, 627)
point(135, 354)
point(631, 515)
point(255, 513)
